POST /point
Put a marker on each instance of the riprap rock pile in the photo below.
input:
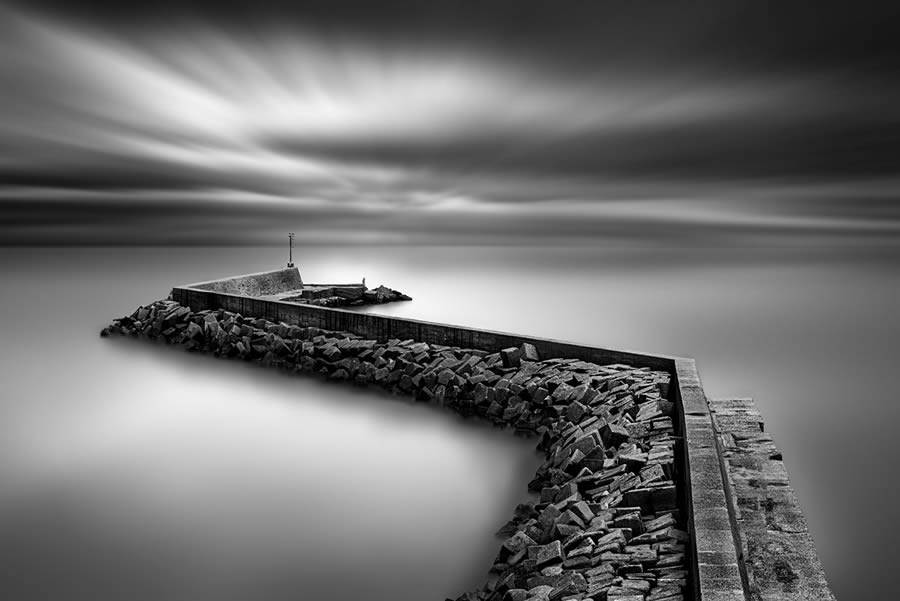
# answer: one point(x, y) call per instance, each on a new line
point(607, 526)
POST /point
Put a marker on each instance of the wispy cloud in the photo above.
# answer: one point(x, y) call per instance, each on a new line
point(351, 128)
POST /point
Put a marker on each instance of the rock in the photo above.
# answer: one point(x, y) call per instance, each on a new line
point(631, 521)
point(541, 591)
point(576, 411)
point(563, 590)
point(540, 396)
point(633, 460)
point(515, 594)
point(446, 377)
point(549, 516)
point(555, 570)
point(480, 394)
point(175, 315)
point(617, 593)
point(659, 523)
point(548, 554)
point(583, 511)
point(664, 498)
point(510, 357)
point(332, 353)
point(406, 383)
point(613, 434)
point(528, 352)
point(615, 539)
point(193, 331)
point(652, 473)
point(394, 377)
point(569, 490)
point(515, 544)
point(665, 593)
point(638, 497)
point(557, 580)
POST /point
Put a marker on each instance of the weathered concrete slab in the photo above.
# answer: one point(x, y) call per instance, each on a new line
point(383, 327)
point(777, 554)
point(716, 557)
point(256, 284)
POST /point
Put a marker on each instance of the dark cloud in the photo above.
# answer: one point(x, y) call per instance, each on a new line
point(174, 218)
point(749, 145)
point(695, 34)
point(433, 120)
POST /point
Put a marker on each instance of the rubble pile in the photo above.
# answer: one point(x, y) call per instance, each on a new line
point(607, 524)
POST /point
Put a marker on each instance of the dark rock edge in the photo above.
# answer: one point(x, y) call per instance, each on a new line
point(607, 527)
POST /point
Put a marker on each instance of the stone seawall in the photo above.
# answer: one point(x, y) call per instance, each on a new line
point(610, 523)
point(547, 388)
point(382, 328)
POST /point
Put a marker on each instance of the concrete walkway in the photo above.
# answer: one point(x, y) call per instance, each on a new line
point(779, 559)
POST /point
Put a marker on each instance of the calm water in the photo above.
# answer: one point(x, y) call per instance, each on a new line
point(130, 470)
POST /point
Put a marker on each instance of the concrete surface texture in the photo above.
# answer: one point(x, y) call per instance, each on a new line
point(382, 327)
point(256, 284)
point(778, 557)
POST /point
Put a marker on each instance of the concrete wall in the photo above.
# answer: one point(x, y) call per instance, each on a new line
point(717, 573)
point(777, 555)
point(381, 327)
point(256, 284)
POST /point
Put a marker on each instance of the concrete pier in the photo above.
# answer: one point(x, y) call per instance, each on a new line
point(747, 538)
point(776, 554)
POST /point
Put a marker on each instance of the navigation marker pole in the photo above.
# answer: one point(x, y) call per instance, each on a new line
point(290, 249)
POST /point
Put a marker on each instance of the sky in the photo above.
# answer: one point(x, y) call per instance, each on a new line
point(585, 123)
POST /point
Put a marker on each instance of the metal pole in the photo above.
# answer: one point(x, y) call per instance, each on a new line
point(290, 249)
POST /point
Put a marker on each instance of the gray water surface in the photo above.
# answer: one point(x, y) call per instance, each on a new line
point(133, 470)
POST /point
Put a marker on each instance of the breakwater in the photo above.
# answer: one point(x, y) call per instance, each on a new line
point(593, 483)
point(286, 285)
point(779, 557)
point(210, 295)
point(608, 523)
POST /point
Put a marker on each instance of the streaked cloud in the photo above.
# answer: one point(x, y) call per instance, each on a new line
point(348, 127)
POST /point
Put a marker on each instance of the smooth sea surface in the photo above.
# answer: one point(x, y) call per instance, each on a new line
point(134, 471)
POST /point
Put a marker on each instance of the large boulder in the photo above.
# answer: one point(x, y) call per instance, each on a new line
point(511, 357)
point(528, 352)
